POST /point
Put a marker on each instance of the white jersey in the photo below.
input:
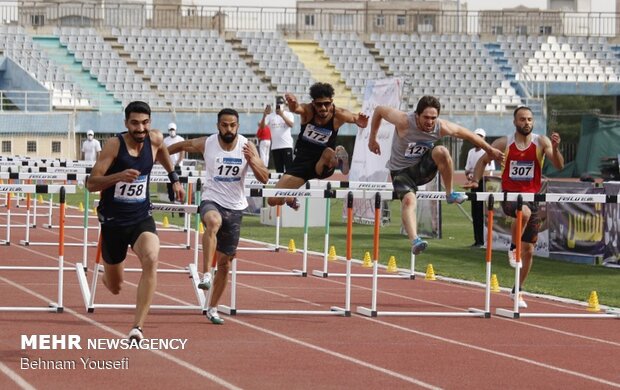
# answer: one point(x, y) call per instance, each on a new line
point(225, 173)
point(281, 137)
point(174, 158)
point(472, 158)
point(90, 149)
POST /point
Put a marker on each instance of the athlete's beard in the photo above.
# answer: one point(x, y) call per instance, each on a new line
point(520, 130)
point(227, 138)
point(139, 140)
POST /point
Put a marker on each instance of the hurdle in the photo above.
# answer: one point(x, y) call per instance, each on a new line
point(89, 292)
point(334, 310)
point(470, 312)
point(527, 197)
point(39, 189)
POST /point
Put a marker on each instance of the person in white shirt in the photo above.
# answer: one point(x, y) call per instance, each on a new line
point(90, 147)
point(176, 159)
point(477, 208)
point(227, 157)
point(280, 123)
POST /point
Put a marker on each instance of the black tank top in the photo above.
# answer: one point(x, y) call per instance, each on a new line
point(126, 204)
point(315, 138)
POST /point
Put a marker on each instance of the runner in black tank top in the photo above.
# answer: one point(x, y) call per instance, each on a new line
point(316, 153)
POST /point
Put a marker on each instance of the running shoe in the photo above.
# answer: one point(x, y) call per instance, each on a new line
point(512, 259)
point(343, 159)
point(213, 316)
point(418, 246)
point(135, 334)
point(205, 283)
point(294, 204)
point(522, 303)
point(456, 197)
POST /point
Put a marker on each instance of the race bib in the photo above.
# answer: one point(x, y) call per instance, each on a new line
point(228, 169)
point(133, 192)
point(415, 150)
point(316, 135)
point(521, 170)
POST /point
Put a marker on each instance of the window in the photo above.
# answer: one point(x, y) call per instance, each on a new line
point(7, 147)
point(401, 20)
point(309, 20)
point(521, 30)
point(341, 21)
point(380, 21)
point(55, 146)
point(545, 30)
point(497, 30)
point(37, 20)
point(31, 146)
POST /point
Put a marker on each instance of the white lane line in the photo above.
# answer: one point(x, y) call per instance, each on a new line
point(336, 354)
point(116, 333)
point(15, 377)
point(494, 352)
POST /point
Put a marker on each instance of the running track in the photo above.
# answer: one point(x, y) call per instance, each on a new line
point(296, 351)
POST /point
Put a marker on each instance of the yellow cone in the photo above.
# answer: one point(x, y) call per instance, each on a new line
point(81, 207)
point(40, 199)
point(593, 302)
point(291, 246)
point(201, 229)
point(391, 267)
point(332, 253)
point(430, 272)
point(166, 223)
point(494, 283)
point(367, 261)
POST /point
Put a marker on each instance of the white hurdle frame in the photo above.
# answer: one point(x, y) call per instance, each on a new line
point(334, 310)
point(35, 189)
point(89, 293)
point(527, 197)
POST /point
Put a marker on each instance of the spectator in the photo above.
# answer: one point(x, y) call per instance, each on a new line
point(280, 123)
point(90, 147)
point(477, 208)
point(176, 159)
point(264, 142)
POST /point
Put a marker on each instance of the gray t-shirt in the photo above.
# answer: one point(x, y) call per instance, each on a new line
point(408, 150)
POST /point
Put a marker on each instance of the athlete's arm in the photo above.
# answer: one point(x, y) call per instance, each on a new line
point(551, 148)
point(255, 162)
point(455, 130)
point(194, 145)
point(391, 115)
point(98, 180)
point(346, 116)
point(499, 144)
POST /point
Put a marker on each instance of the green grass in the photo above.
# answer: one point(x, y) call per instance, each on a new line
point(451, 256)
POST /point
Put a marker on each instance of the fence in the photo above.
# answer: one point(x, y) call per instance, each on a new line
point(307, 18)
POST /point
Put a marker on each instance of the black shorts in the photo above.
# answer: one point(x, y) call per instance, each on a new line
point(408, 179)
point(304, 166)
point(530, 233)
point(228, 235)
point(116, 239)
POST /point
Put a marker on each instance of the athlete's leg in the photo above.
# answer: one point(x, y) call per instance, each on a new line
point(147, 250)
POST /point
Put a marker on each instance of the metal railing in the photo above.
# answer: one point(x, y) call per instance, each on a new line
point(304, 20)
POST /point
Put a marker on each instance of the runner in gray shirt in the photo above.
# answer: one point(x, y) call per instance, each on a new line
point(415, 159)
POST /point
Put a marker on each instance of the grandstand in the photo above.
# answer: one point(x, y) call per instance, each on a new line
point(90, 70)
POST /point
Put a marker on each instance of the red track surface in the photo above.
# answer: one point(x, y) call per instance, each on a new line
point(295, 351)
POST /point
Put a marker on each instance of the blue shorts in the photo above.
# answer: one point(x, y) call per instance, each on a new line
point(230, 231)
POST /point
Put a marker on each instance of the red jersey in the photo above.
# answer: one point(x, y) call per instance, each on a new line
point(522, 169)
point(264, 134)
